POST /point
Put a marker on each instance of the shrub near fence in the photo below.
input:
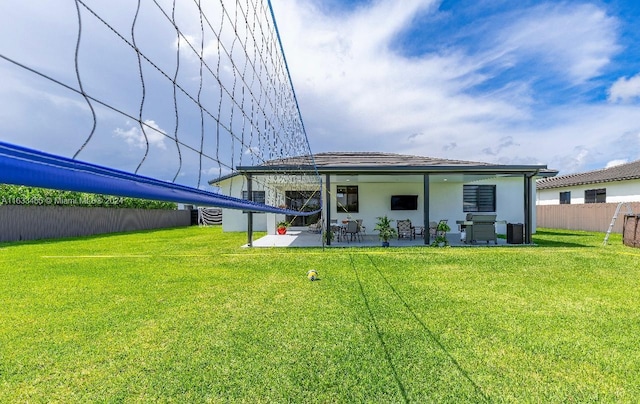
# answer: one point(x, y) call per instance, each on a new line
point(587, 217)
point(32, 196)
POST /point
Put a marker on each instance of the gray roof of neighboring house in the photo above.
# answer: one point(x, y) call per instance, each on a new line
point(629, 171)
point(377, 162)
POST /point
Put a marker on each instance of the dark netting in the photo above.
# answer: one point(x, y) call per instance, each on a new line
point(154, 98)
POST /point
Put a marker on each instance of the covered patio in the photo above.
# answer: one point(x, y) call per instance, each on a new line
point(364, 186)
point(304, 238)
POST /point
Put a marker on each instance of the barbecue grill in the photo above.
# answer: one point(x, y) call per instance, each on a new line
point(480, 227)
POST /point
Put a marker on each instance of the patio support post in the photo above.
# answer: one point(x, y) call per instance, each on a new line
point(528, 217)
point(250, 214)
point(425, 213)
point(327, 207)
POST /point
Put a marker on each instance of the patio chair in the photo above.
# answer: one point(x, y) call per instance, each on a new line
point(352, 230)
point(406, 229)
point(315, 227)
point(337, 232)
point(433, 229)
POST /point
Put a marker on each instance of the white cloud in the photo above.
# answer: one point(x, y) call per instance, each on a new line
point(357, 92)
point(625, 89)
point(576, 40)
point(187, 43)
point(614, 163)
point(579, 157)
point(135, 137)
point(217, 171)
point(347, 73)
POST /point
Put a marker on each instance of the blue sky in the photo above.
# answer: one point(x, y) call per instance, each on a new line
point(500, 81)
point(512, 82)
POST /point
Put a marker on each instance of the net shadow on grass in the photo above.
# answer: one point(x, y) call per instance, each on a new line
point(387, 354)
point(552, 243)
point(428, 331)
point(565, 238)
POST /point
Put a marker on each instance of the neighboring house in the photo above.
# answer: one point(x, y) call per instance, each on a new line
point(589, 201)
point(423, 189)
point(609, 185)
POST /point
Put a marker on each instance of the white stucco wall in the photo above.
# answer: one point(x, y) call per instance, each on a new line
point(374, 200)
point(509, 202)
point(617, 191)
point(235, 220)
point(445, 202)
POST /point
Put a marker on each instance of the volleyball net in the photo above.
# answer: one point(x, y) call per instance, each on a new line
point(150, 99)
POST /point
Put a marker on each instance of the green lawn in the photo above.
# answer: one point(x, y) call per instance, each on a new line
point(187, 315)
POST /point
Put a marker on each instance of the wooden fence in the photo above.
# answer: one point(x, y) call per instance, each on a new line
point(588, 217)
point(42, 222)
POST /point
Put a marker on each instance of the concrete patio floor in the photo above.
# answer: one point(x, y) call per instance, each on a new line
point(303, 238)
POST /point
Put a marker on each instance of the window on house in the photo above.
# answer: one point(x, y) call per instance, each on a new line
point(257, 196)
point(306, 201)
point(479, 198)
point(595, 195)
point(347, 198)
point(565, 198)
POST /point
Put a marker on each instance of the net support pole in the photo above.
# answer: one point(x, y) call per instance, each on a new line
point(528, 208)
point(425, 211)
point(249, 213)
point(327, 207)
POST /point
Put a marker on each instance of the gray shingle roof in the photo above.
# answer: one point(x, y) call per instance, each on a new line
point(629, 171)
point(370, 159)
point(334, 162)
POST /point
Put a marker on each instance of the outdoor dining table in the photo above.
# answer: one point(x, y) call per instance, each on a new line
point(342, 228)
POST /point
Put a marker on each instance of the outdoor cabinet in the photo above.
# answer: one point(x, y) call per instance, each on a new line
point(481, 232)
point(515, 233)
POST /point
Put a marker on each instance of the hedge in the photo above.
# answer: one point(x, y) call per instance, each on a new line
point(30, 196)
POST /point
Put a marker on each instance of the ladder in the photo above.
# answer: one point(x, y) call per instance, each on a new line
point(613, 219)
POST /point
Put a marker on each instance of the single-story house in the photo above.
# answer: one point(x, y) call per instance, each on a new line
point(366, 185)
point(608, 185)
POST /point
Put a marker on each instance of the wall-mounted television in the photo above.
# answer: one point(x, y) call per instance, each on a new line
point(404, 202)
